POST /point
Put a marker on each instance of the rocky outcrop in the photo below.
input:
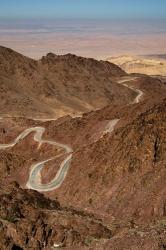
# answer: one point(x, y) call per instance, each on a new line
point(28, 220)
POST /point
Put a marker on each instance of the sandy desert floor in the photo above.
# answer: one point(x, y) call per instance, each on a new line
point(87, 38)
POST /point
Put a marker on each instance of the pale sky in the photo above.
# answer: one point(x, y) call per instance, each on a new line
point(83, 8)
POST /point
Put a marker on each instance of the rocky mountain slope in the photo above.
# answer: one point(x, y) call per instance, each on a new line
point(30, 220)
point(57, 85)
point(114, 195)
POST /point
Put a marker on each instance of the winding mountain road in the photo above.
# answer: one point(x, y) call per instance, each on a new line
point(138, 91)
point(34, 181)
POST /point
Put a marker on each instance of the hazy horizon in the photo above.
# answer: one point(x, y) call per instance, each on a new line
point(93, 28)
point(98, 38)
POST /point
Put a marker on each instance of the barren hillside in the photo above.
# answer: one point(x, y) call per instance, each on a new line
point(106, 168)
point(57, 85)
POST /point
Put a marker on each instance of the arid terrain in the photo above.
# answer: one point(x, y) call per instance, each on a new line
point(57, 85)
point(151, 65)
point(97, 38)
point(82, 155)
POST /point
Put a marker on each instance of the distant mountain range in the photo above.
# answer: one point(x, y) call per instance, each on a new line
point(150, 64)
